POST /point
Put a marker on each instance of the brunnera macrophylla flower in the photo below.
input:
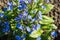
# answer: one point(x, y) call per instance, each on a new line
point(7, 27)
point(18, 37)
point(38, 38)
point(4, 9)
point(54, 34)
point(1, 14)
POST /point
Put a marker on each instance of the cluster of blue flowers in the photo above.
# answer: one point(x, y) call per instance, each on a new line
point(22, 16)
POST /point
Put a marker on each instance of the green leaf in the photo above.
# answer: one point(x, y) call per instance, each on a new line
point(41, 1)
point(49, 38)
point(53, 26)
point(46, 20)
point(48, 8)
point(14, 3)
point(36, 33)
point(29, 38)
point(46, 17)
point(46, 27)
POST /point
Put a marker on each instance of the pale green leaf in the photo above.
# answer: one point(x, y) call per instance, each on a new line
point(36, 33)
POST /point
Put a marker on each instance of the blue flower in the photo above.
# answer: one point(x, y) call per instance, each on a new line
point(21, 27)
point(28, 29)
point(4, 9)
point(25, 13)
point(36, 27)
point(24, 1)
point(44, 7)
point(40, 15)
point(10, 7)
point(6, 23)
point(29, 17)
point(34, 19)
point(20, 15)
point(6, 29)
point(38, 38)
point(9, 3)
point(22, 6)
point(17, 19)
point(5, 17)
point(23, 36)
point(18, 37)
point(29, 1)
point(1, 14)
point(17, 25)
point(54, 34)
point(20, 1)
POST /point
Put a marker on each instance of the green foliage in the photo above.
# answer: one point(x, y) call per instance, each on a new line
point(36, 33)
point(45, 23)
